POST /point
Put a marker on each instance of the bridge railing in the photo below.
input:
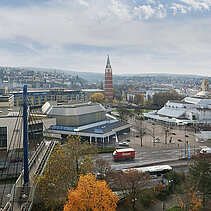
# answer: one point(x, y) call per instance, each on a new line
point(19, 182)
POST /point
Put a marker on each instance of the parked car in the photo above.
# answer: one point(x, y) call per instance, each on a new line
point(123, 144)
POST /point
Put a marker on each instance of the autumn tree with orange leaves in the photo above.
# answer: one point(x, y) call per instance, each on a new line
point(91, 194)
point(189, 199)
point(63, 170)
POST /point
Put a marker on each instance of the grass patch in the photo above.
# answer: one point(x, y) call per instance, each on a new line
point(146, 111)
point(106, 149)
point(175, 208)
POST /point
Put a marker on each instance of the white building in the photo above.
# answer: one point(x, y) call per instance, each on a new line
point(195, 109)
point(11, 131)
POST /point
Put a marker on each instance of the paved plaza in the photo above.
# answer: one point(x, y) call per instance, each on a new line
point(175, 137)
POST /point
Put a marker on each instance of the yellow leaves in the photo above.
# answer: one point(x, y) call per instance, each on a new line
point(91, 194)
point(63, 169)
point(190, 200)
point(97, 97)
point(160, 188)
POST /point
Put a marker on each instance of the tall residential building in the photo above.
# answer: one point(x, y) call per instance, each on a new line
point(205, 85)
point(108, 93)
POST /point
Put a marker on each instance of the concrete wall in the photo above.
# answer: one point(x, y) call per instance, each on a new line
point(17, 140)
point(75, 121)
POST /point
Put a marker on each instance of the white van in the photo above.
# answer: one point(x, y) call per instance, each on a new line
point(206, 150)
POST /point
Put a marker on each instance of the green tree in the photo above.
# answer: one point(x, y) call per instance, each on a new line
point(175, 180)
point(200, 173)
point(159, 99)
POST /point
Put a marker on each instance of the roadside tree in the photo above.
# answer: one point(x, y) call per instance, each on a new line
point(141, 129)
point(102, 169)
point(62, 172)
point(200, 174)
point(188, 198)
point(91, 194)
point(153, 133)
point(130, 183)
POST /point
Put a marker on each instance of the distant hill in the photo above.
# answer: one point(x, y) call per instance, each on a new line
point(99, 77)
point(89, 76)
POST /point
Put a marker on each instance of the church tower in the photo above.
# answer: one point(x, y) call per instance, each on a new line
point(108, 92)
point(205, 85)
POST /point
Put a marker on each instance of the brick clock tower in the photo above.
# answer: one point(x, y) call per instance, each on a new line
point(108, 92)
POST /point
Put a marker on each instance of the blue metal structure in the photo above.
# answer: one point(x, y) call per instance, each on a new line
point(25, 135)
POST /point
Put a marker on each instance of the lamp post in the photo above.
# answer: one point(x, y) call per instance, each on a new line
point(185, 144)
point(134, 201)
point(180, 156)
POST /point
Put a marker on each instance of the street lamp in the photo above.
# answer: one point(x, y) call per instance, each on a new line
point(134, 201)
point(185, 143)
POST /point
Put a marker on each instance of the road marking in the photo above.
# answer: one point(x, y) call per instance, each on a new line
point(105, 156)
point(153, 152)
point(141, 153)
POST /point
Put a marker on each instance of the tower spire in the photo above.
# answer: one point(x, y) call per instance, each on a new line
point(108, 65)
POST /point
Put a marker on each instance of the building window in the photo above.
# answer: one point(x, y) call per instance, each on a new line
point(3, 136)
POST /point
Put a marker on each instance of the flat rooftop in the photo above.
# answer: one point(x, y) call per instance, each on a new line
point(9, 111)
point(99, 129)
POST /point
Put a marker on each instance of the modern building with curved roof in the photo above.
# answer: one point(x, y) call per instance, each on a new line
point(87, 120)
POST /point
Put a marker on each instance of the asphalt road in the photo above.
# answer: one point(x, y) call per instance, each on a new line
point(148, 157)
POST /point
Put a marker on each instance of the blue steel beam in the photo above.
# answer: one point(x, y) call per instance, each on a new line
point(25, 135)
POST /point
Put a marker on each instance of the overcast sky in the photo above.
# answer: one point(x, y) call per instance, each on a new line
point(141, 36)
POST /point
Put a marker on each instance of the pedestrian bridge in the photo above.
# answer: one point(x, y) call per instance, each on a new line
point(22, 194)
